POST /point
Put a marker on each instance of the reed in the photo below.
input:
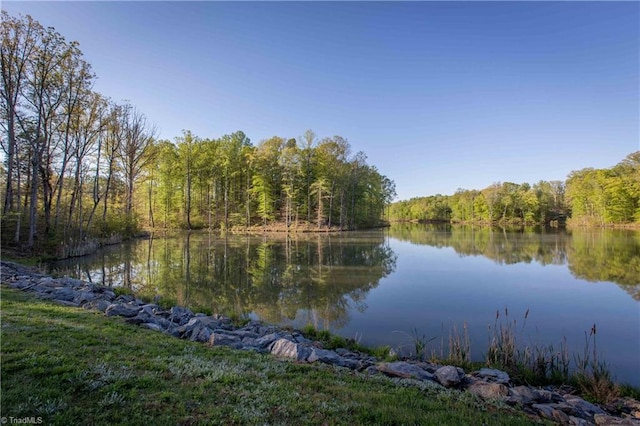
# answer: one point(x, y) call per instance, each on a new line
point(526, 362)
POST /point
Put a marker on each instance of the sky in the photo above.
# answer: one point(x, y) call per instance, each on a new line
point(439, 95)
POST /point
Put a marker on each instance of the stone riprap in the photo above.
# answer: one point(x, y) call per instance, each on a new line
point(549, 403)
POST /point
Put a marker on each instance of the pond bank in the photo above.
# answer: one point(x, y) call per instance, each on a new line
point(555, 404)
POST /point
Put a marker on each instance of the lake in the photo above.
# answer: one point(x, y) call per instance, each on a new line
point(385, 287)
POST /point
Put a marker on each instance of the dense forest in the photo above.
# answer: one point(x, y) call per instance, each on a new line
point(591, 197)
point(79, 167)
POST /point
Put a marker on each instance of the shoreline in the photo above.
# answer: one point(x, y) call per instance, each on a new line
point(217, 330)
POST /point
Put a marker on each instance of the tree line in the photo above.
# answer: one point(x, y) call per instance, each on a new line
point(78, 165)
point(280, 183)
point(589, 196)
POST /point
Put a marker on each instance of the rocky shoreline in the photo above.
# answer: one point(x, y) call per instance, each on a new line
point(556, 404)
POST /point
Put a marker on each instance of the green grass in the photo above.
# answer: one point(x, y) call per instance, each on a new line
point(333, 341)
point(71, 366)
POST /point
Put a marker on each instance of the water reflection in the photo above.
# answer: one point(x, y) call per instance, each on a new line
point(319, 278)
point(593, 255)
point(379, 286)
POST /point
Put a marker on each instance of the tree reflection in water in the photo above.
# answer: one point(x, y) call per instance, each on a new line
point(593, 255)
point(316, 278)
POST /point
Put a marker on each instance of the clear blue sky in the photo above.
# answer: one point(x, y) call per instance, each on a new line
point(438, 95)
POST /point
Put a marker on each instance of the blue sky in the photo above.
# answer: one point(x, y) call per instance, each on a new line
point(438, 95)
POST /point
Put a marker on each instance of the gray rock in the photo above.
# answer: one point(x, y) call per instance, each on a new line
point(163, 322)
point(625, 405)
point(546, 396)
point(108, 295)
point(431, 368)
point(72, 282)
point(45, 282)
point(551, 412)
point(404, 370)
point(125, 298)
point(603, 419)
point(267, 340)
point(203, 335)
point(191, 328)
point(245, 333)
point(493, 375)
point(331, 357)
point(223, 339)
point(576, 421)
point(488, 390)
point(521, 395)
point(449, 376)
point(180, 315)
point(288, 349)
point(83, 297)
point(21, 283)
point(152, 326)
point(582, 408)
point(122, 310)
point(98, 304)
point(63, 293)
point(299, 338)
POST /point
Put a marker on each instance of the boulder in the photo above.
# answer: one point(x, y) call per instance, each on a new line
point(152, 326)
point(522, 395)
point(404, 370)
point(98, 304)
point(493, 375)
point(488, 390)
point(63, 293)
point(122, 310)
point(204, 335)
point(577, 421)
point(125, 298)
point(222, 339)
point(288, 349)
point(83, 297)
point(331, 357)
point(180, 315)
point(582, 408)
point(604, 419)
point(266, 341)
point(552, 412)
point(449, 376)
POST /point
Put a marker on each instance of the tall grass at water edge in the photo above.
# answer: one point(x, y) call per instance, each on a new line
point(527, 362)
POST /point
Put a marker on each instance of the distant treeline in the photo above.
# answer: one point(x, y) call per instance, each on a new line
point(594, 197)
point(79, 166)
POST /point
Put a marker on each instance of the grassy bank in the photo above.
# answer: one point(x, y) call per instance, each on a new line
point(70, 366)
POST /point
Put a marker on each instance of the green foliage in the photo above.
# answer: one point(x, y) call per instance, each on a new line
point(122, 225)
point(591, 197)
point(606, 196)
point(123, 291)
point(333, 341)
point(504, 203)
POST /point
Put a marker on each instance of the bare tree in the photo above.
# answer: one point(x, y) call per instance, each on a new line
point(132, 156)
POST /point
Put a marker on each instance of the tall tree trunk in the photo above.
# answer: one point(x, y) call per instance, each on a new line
point(33, 199)
point(8, 195)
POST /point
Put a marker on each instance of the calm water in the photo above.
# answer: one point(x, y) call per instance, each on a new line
point(382, 287)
